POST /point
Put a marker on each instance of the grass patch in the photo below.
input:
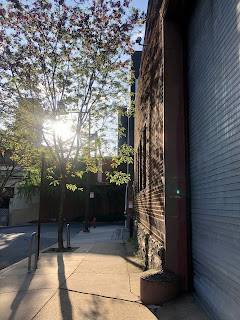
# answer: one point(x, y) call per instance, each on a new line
point(133, 243)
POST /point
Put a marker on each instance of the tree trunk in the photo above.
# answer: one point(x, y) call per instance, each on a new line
point(60, 215)
point(87, 204)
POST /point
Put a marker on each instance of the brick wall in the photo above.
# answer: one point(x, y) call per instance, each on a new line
point(149, 165)
point(159, 180)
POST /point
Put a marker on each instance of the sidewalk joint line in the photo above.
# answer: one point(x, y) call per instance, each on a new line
point(57, 290)
point(129, 280)
point(102, 296)
point(45, 304)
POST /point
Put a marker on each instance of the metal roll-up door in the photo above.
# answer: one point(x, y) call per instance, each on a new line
point(213, 70)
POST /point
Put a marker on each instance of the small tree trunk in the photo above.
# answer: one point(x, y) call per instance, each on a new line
point(87, 204)
point(60, 215)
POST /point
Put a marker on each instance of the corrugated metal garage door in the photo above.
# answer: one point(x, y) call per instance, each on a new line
point(214, 137)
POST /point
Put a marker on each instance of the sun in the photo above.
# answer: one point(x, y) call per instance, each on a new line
point(60, 129)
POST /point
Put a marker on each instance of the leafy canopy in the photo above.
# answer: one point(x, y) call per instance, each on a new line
point(69, 63)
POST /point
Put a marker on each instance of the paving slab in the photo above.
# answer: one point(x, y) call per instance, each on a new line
point(134, 281)
point(23, 305)
point(86, 247)
point(30, 281)
point(77, 306)
point(133, 265)
point(20, 264)
point(18, 268)
point(68, 270)
point(109, 285)
point(59, 262)
point(108, 249)
point(58, 257)
point(184, 307)
point(100, 280)
point(101, 267)
point(101, 257)
point(46, 265)
point(105, 257)
point(97, 235)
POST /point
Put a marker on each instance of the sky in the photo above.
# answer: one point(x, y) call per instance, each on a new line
point(139, 32)
point(140, 4)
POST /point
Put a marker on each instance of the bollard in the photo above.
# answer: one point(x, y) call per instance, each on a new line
point(94, 223)
point(34, 234)
point(68, 235)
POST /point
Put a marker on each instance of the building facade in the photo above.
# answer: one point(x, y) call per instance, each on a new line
point(187, 176)
point(127, 124)
point(105, 204)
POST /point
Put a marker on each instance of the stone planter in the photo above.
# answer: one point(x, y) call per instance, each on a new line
point(160, 287)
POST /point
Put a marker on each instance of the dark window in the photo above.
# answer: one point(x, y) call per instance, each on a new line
point(144, 156)
point(142, 162)
point(141, 167)
point(138, 170)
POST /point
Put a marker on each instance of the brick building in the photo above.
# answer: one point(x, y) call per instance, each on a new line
point(127, 123)
point(187, 180)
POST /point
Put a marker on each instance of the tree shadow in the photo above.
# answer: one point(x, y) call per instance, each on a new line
point(95, 305)
point(21, 294)
point(65, 303)
point(96, 309)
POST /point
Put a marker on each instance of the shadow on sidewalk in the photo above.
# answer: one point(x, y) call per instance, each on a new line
point(96, 309)
point(65, 303)
point(21, 294)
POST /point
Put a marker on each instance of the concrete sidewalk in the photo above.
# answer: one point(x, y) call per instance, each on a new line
point(100, 280)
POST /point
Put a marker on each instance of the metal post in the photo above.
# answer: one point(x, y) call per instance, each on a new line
point(68, 235)
point(34, 234)
point(40, 205)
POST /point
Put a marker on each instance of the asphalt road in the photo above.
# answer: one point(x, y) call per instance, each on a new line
point(15, 242)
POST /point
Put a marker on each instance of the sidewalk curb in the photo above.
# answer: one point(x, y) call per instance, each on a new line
point(16, 263)
point(49, 223)
point(41, 251)
point(11, 266)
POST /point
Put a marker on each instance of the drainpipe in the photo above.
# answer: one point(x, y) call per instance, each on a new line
point(126, 192)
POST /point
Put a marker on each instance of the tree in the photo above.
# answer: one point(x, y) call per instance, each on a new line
point(17, 143)
point(70, 61)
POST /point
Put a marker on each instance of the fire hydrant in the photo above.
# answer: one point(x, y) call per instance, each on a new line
point(94, 223)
